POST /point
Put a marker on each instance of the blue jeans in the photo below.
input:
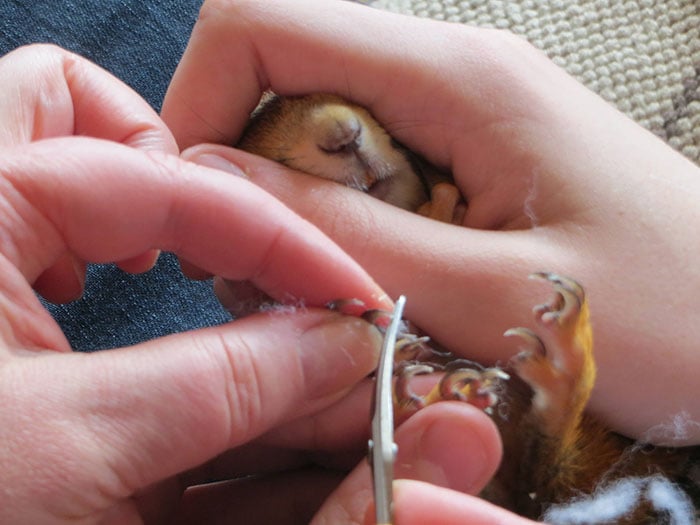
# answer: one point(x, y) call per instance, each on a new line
point(139, 41)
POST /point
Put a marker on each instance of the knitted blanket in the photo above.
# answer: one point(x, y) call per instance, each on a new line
point(642, 56)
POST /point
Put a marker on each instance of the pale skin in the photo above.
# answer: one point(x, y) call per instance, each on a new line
point(91, 462)
point(556, 179)
point(89, 172)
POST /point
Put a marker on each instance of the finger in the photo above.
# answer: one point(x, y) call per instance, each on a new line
point(485, 270)
point(27, 324)
point(240, 298)
point(157, 409)
point(50, 92)
point(419, 503)
point(224, 224)
point(193, 272)
point(140, 263)
point(452, 445)
point(64, 281)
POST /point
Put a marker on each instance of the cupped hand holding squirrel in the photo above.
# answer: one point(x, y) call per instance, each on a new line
point(555, 179)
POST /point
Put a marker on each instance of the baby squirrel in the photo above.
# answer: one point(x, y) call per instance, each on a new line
point(329, 137)
point(557, 458)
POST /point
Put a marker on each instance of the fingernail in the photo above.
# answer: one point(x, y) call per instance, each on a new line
point(217, 162)
point(337, 354)
point(453, 453)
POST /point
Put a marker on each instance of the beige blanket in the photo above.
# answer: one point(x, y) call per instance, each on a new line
point(641, 55)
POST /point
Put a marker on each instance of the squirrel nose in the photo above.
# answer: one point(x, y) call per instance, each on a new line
point(338, 130)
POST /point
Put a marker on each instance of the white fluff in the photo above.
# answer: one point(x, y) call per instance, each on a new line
point(667, 496)
point(612, 502)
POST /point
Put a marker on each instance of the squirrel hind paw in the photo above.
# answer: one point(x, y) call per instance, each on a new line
point(556, 360)
point(479, 387)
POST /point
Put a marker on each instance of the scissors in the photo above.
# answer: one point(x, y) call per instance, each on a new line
point(382, 449)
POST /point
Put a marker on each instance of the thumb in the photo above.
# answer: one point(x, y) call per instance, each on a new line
point(420, 503)
point(451, 444)
point(96, 428)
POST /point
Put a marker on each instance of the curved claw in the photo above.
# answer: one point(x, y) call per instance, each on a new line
point(406, 398)
point(457, 383)
point(533, 344)
point(472, 386)
point(461, 362)
point(409, 346)
point(568, 299)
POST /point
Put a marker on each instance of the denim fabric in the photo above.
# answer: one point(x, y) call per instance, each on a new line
point(139, 41)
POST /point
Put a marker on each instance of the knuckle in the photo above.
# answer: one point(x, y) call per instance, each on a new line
point(244, 390)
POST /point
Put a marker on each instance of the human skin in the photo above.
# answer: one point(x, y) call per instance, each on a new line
point(88, 172)
point(556, 179)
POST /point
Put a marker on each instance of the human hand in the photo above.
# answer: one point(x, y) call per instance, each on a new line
point(88, 173)
point(556, 179)
point(451, 445)
point(446, 454)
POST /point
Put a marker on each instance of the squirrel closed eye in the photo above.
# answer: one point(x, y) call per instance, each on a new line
point(329, 137)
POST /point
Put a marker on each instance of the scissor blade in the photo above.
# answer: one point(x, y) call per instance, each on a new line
point(382, 446)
